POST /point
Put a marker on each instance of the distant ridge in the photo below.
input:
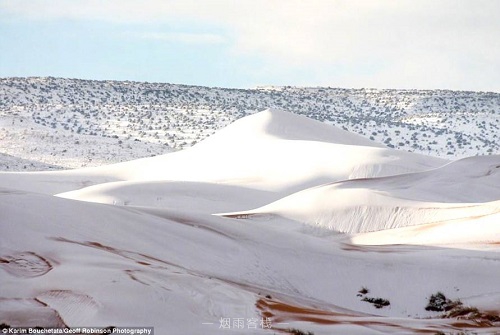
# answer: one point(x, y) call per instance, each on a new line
point(80, 123)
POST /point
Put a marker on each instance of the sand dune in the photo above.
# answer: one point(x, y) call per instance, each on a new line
point(272, 151)
point(464, 189)
point(137, 244)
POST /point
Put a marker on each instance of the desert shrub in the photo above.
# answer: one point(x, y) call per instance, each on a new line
point(364, 290)
point(295, 331)
point(377, 302)
point(456, 309)
point(439, 303)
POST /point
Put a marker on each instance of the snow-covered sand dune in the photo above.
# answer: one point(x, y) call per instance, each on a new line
point(271, 150)
point(254, 161)
point(136, 244)
point(111, 265)
point(463, 189)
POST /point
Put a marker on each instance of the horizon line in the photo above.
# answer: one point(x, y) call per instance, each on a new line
point(255, 88)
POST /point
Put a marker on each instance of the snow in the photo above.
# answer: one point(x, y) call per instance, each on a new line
point(463, 189)
point(136, 243)
point(71, 123)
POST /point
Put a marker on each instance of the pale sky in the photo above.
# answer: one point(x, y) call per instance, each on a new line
point(423, 44)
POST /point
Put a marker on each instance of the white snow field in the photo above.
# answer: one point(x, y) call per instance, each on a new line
point(274, 223)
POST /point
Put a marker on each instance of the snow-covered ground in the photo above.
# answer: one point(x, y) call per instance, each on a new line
point(276, 222)
point(70, 123)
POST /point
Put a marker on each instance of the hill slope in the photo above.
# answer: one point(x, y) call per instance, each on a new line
point(70, 123)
